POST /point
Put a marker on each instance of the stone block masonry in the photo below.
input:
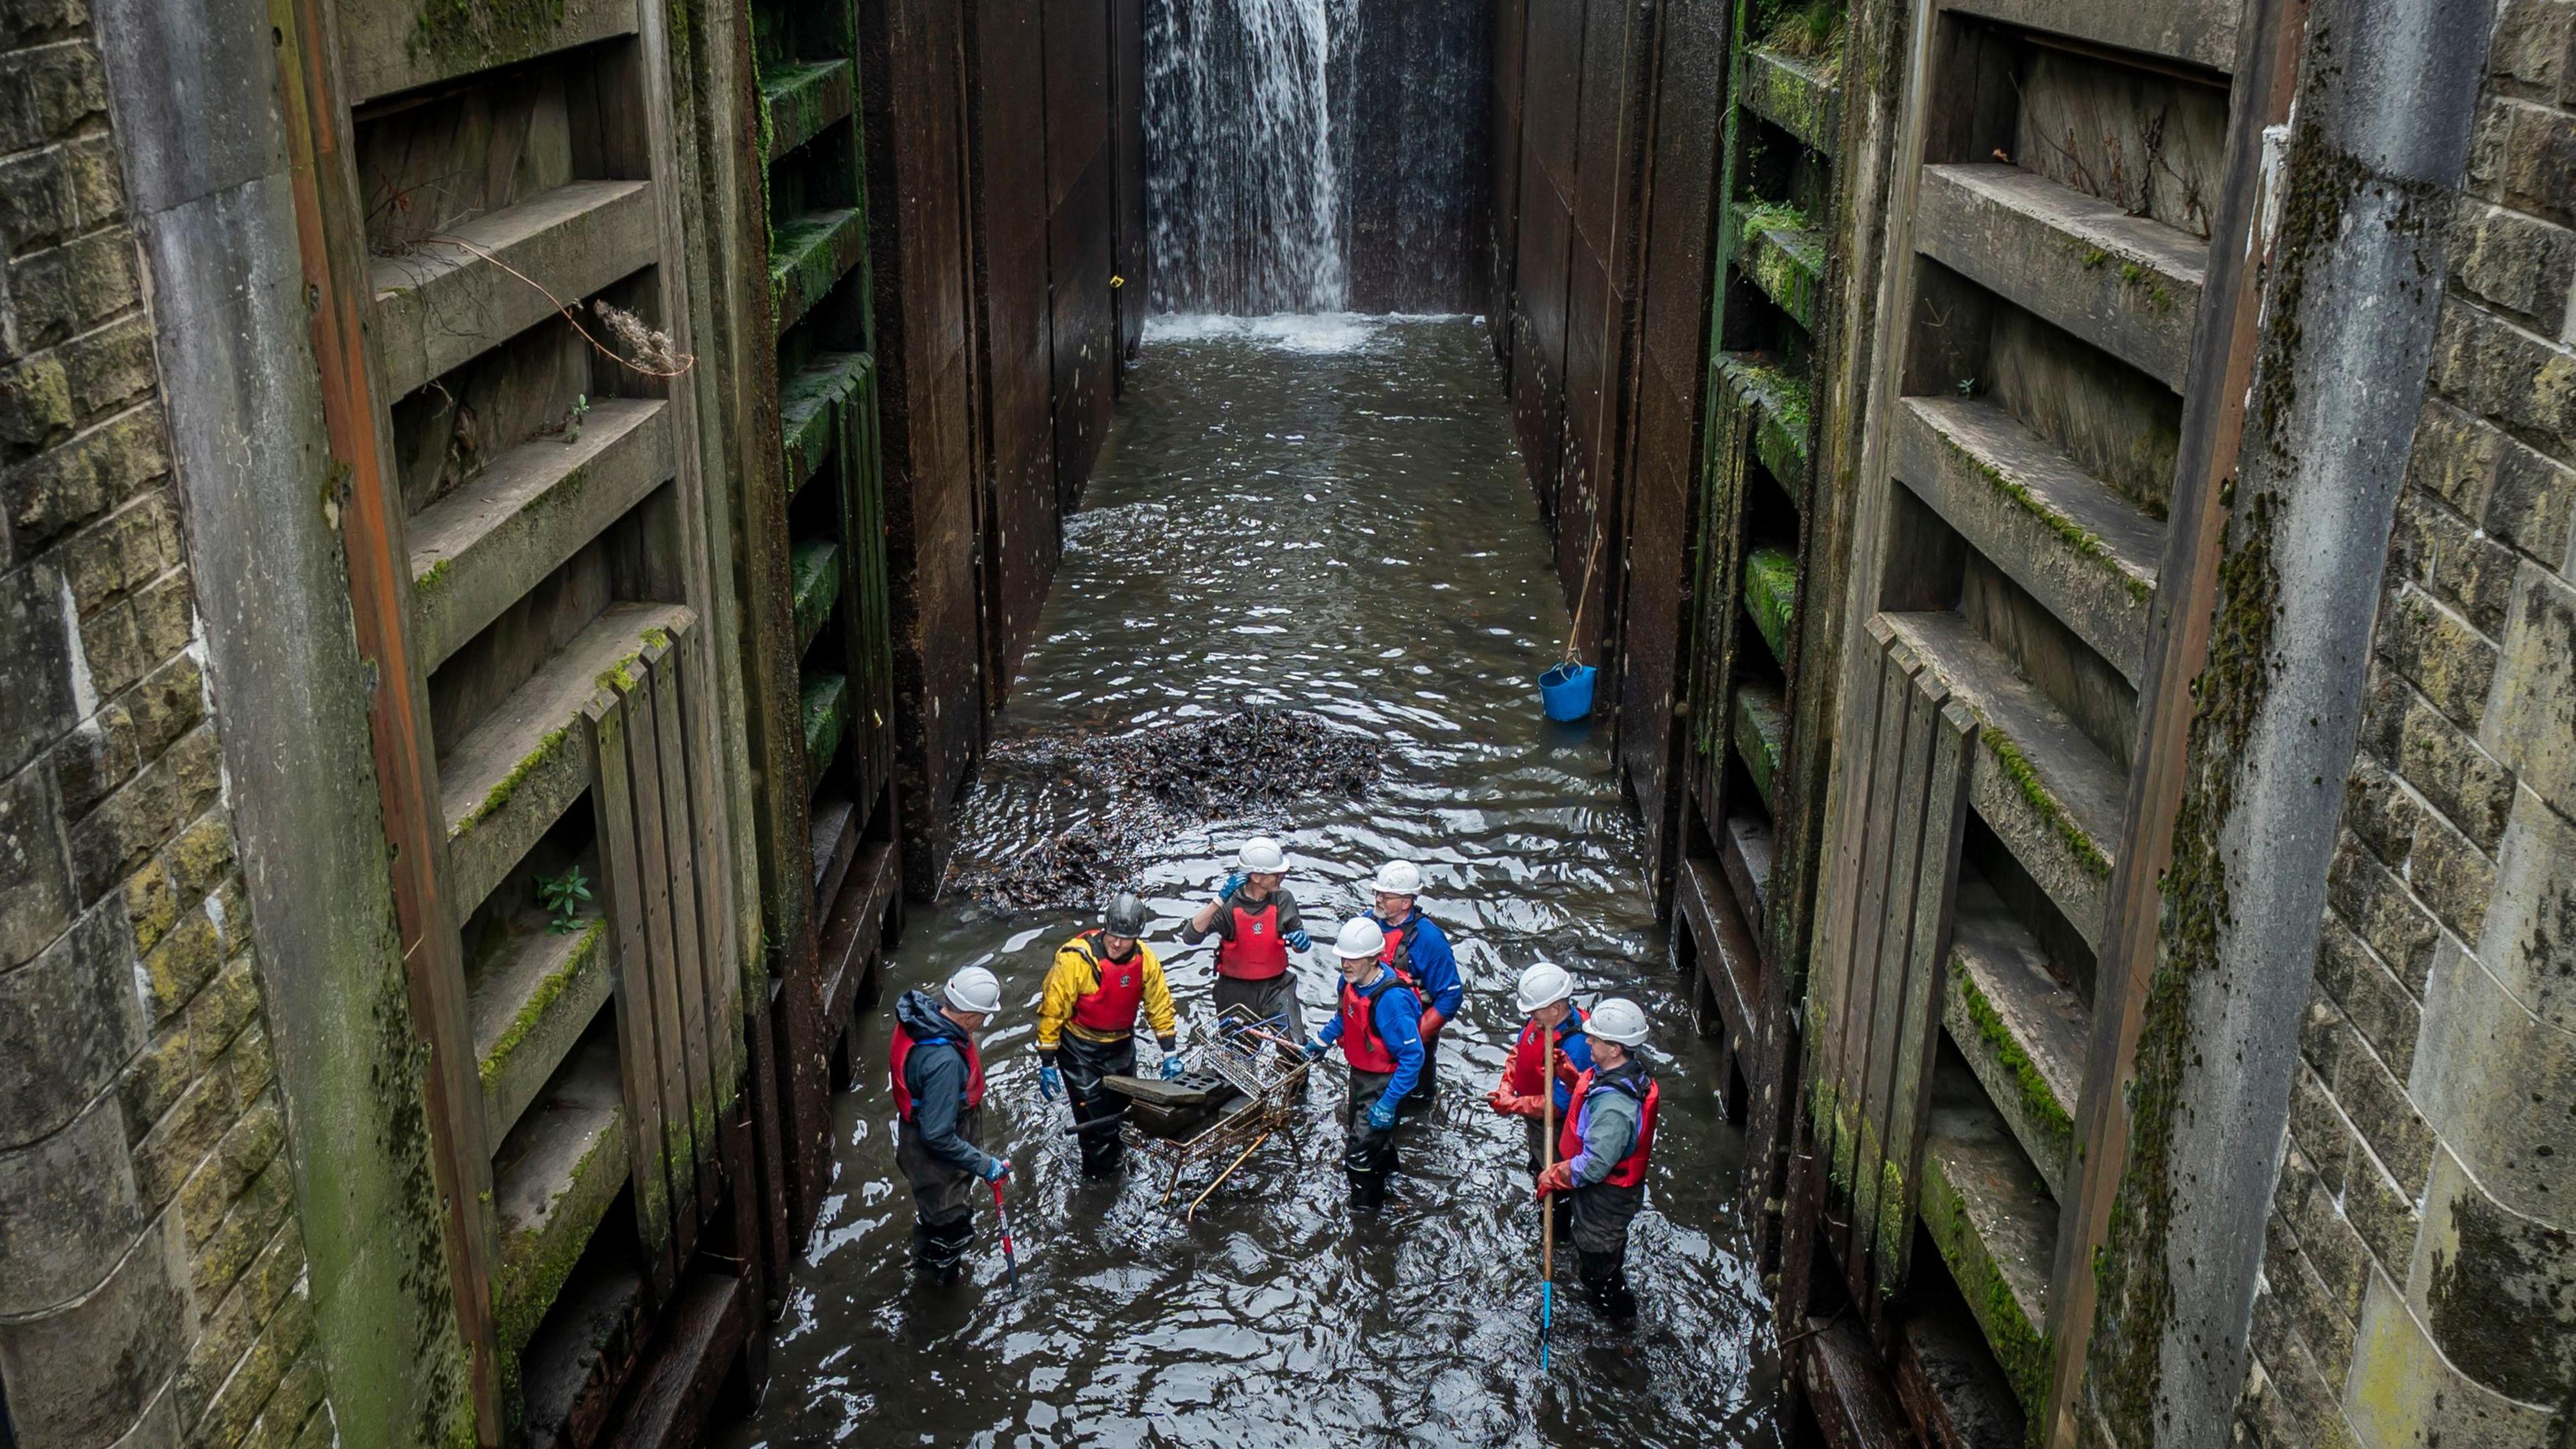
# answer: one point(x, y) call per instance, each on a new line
point(2419, 1279)
point(152, 1273)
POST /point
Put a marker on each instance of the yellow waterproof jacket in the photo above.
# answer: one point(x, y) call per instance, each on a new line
point(1077, 977)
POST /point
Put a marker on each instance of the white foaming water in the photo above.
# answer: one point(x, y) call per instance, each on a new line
point(1321, 334)
point(1247, 202)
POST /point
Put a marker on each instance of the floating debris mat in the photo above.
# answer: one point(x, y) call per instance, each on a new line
point(1152, 784)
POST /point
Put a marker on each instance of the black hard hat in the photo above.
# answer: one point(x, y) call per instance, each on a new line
point(1126, 915)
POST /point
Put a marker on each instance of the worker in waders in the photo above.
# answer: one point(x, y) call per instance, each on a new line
point(1551, 1048)
point(1418, 949)
point(1608, 1137)
point(1087, 1023)
point(1255, 922)
point(1379, 1029)
point(938, 1101)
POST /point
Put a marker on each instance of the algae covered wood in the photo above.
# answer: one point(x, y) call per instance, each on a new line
point(800, 101)
point(1799, 96)
point(396, 45)
point(1988, 1213)
point(534, 995)
point(639, 1049)
point(483, 546)
point(1771, 597)
point(688, 964)
point(2025, 1033)
point(1761, 729)
point(552, 1181)
point(680, 1120)
point(809, 256)
point(814, 582)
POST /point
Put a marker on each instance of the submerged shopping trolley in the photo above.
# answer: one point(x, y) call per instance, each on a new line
point(1238, 1091)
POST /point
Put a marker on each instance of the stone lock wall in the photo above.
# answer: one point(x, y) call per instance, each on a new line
point(151, 1273)
point(2419, 1274)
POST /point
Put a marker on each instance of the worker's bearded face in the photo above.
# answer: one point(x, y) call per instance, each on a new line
point(1392, 906)
point(1358, 969)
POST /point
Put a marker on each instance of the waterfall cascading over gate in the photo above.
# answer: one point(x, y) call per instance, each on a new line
point(1245, 204)
point(1315, 155)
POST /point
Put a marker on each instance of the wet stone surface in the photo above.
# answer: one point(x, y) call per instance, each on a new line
point(1320, 520)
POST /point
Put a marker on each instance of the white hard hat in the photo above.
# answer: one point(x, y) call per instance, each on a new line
point(1261, 855)
point(974, 989)
point(1619, 1020)
point(1544, 984)
point(1398, 878)
point(1360, 940)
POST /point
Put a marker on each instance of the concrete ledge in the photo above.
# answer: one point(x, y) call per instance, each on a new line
point(802, 101)
point(2080, 548)
point(395, 45)
point(442, 304)
point(1998, 1232)
point(530, 1004)
point(552, 1181)
point(481, 548)
point(2202, 32)
point(506, 783)
point(2048, 792)
point(2024, 1033)
point(2125, 284)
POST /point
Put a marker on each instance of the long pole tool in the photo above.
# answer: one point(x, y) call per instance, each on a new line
point(1546, 1209)
point(1010, 1253)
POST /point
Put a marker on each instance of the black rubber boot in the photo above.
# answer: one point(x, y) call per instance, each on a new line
point(1605, 1286)
point(1368, 1161)
point(939, 1248)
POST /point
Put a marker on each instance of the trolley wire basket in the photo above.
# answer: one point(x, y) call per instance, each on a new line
point(1263, 1075)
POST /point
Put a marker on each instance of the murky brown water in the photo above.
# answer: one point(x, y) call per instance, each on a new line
point(1322, 513)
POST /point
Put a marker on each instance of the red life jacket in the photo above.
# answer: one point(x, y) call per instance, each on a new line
point(1397, 953)
point(900, 1047)
point(1362, 1047)
point(1110, 1006)
point(1631, 1169)
point(1527, 1066)
point(1254, 951)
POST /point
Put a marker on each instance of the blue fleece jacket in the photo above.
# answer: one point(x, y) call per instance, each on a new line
point(1433, 966)
point(1398, 1018)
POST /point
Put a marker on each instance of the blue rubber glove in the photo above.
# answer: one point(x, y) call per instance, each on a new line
point(1298, 940)
point(1382, 1116)
point(1232, 884)
point(1171, 1065)
point(1050, 1083)
point(997, 1169)
point(1315, 1050)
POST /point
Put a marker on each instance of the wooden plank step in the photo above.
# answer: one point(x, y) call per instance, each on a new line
point(827, 716)
point(1949, 1382)
point(1727, 955)
point(2076, 544)
point(1783, 256)
point(833, 834)
point(810, 407)
point(1761, 733)
point(1771, 597)
point(505, 784)
point(1995, 1224)
point(857, 924)
point(480, 549)
point(678, 1393)
point(808, 255)
point(2024, 1032)
point(798, 102)
point(534, 994)
point(1775, 402)
point(1747, 853)
point(2201, 32)
point(2048, 792)
point(581, 1355)
point(387, 46)
point(552, 1181)
point(1854, 1405)
point(814, 574)
point(442, 303)
point(2126, 284)
point(1793, 94)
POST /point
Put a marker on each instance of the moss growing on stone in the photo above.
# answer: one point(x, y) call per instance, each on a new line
point(2025, 778)
point(498, 797)
point(434, 580)
point(2084, 541)
point(539, 1002)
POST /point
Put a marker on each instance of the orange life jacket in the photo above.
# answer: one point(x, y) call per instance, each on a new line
point(1110, 1006)
point(900, 1047)
point(1631, 1169)
point(1526, 1068)
point(1362, 1047)
point(1254, 950)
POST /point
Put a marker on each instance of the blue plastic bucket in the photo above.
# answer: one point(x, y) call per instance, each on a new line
point(1566, 691)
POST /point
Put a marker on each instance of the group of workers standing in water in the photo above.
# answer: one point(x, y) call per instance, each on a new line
point(1399, 988)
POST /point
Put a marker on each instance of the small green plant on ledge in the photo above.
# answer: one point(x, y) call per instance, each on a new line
point(563, 896)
